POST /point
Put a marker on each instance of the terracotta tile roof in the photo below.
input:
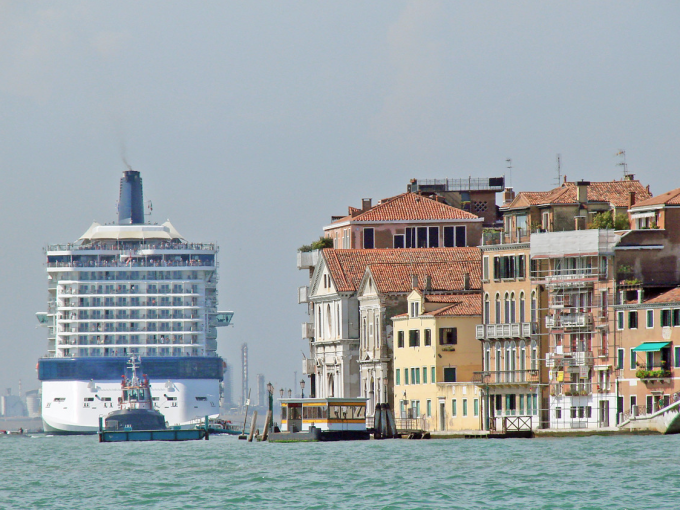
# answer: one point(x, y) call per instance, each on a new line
point(392, 268)
point(411, 206)
point(462, 305)
point(672, 296)
point(612, 192)
point(467, 304)
point(442, 298)
point(669, 198)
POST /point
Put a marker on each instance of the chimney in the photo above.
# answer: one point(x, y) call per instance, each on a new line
point(414, 281)
point(428, 282)
point(582, 191)
point(579, 222)
point(629, 177)
point(466, 281)
point(631, 199)
point(508, 196)
point(130, 201)
point(366, 204)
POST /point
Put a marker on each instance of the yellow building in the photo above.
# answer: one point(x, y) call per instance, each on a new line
point(435, 356)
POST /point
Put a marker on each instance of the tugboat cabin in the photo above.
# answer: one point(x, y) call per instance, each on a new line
point(324, 414)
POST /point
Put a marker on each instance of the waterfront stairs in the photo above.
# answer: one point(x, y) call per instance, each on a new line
point(665, 421)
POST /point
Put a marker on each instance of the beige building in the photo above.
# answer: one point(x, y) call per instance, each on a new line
point(514, 379)
point(435, 356)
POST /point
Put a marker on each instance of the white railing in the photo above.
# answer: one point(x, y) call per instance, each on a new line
point(512, 330)
point(570, 320)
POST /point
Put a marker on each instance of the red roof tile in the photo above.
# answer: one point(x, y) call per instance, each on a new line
point(467, 304)
point(669, 198)
point(392, 268)
point(612, 192)
point(412, 206)
point(672, 296)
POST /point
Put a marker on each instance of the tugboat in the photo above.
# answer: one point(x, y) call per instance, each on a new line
point(137, 420)
point(136, 410)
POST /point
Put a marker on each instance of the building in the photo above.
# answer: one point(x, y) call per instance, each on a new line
point(571, 206)
point(514, 378)
point(383, 292)
point(409, 220)
point(477, 196)
point(648, 351)
point(577, 270)
point(334, 329)
point(435, 357)
point(245, 388)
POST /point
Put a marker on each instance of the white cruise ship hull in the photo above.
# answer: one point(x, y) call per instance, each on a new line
point(74, 407)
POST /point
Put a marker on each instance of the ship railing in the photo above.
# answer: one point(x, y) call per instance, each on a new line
point(134, 263)
point(130, 247)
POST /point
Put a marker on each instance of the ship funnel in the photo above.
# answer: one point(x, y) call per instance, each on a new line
point(130, 202)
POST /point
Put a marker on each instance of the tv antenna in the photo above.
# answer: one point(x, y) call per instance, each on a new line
point(623, 162)
point(559, 170)
point(509, 167)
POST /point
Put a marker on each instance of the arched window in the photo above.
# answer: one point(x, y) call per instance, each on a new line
point(534, 355)
point(364, 338)
point(522, 355)
point(329, 321)
point(534, 307)
point(377, 329)
point(337, 320)
point(521, 307)
point(513, 307)
point(487, 309)
point(487, 357)
point(498, 308)
point(499, 356)
point(319, 332)
point(506, 301)
point(508, 355)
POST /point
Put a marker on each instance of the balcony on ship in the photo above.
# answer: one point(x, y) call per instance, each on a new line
point(510, 330)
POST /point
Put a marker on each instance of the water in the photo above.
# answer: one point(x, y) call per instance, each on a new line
point(589, 472)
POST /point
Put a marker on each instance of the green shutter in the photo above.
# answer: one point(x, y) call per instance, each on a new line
point(398, 378)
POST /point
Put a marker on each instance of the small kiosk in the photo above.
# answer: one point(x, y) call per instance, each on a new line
point(322, 419)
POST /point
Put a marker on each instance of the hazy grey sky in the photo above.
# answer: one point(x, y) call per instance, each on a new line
point(253, 122)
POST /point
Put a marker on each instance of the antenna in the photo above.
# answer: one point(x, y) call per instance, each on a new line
point(509, 167)
point(559, 170)
point(622, 163)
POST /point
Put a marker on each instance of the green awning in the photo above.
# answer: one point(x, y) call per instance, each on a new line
point(650, 346)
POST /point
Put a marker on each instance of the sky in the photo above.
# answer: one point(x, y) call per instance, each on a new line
point(253, 122)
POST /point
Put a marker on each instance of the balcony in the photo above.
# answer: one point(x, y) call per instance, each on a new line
point(569, 320)
point(308, 367)
point(303, 294)
point(505, 377)
point(571, 389)
point(307, 259)
point(652, 372)
point(307, 330)
point(511, 330)
point(570, 359)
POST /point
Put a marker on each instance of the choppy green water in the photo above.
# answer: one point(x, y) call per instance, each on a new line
point(593, 472)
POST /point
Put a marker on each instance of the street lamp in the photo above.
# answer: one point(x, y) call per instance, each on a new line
point(290, 393)
point(302, 385)
point(281, 392)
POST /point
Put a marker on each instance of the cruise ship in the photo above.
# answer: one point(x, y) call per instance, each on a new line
point(123, 289)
